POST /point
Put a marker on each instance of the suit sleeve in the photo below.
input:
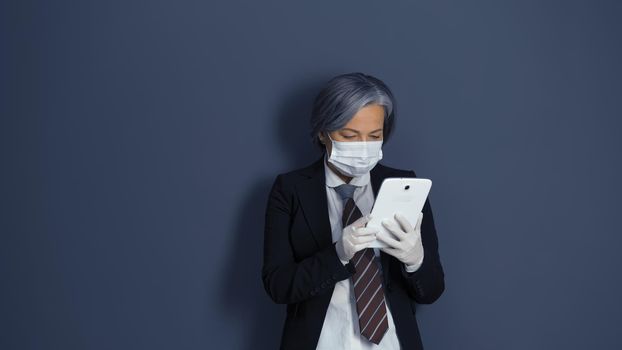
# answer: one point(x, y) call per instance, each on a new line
point(286, 280)
point(427, 283)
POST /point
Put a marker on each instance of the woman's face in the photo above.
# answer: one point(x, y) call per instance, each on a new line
point(365, 125)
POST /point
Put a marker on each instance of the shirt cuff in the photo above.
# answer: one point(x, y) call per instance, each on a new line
point(413, 268)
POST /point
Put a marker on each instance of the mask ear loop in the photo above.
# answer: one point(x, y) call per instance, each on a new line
point(332, 142)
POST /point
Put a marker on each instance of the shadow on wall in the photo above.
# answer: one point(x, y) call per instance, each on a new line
point(243, 294)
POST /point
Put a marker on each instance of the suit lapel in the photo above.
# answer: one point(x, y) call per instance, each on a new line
point(377, 175)
point(312, 196)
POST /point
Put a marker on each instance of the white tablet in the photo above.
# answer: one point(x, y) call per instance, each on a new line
point(398, 194)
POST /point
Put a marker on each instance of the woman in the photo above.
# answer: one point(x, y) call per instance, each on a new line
point(341, 294)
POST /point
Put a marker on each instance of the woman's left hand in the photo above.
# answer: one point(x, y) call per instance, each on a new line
point(406, 244)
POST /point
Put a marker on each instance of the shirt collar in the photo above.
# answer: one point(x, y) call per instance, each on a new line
point(333, 180)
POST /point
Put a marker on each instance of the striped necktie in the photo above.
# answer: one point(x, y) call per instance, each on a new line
point(367, 280)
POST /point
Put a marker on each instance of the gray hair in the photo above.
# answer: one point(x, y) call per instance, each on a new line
point(343, 96)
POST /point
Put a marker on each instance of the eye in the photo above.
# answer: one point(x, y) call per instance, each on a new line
point(348, 136)
point(375, 136)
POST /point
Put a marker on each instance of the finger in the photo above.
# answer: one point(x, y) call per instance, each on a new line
point(419, 221)
point(361, 246)
point(365, 235)
point(365, 231)
point(403, 221)
point(363, 239)
point(392, 227)
point(361, 221)
point(388, 240)
point(390, 251)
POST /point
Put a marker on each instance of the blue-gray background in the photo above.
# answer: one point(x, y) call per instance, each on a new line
point(140, 139)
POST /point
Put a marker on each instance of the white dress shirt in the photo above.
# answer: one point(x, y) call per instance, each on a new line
point(341, 326)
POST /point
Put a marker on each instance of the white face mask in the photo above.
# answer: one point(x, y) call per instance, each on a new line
point(355, 158)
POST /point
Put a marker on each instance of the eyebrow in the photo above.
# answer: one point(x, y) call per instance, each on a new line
point(356, 131)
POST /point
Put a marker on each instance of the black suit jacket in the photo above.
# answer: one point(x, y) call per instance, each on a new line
point(301, 266)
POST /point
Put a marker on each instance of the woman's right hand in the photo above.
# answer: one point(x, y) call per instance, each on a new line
point(355, 237)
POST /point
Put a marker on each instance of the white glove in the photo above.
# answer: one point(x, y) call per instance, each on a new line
point(406, 244)
point(355, 237)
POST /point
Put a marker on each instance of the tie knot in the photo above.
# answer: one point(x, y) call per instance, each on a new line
point(345, 191)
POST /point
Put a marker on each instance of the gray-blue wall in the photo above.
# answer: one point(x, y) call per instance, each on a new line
point(139, 140)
